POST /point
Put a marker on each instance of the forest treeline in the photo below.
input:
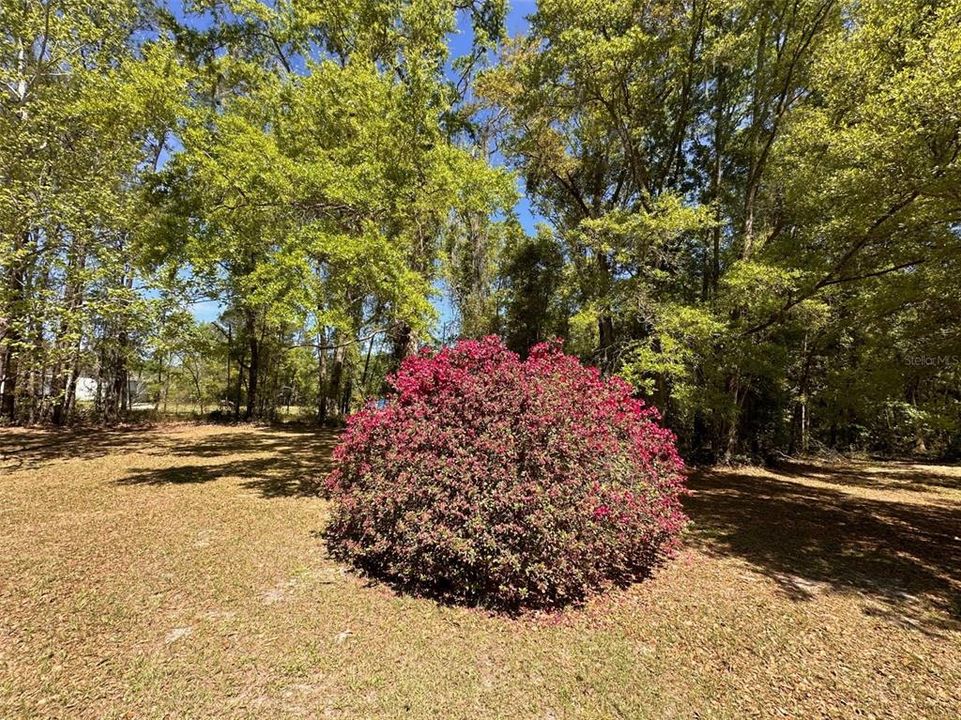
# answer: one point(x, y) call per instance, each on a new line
point(751, 209)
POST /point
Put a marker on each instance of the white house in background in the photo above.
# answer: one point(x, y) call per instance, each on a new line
point(87, 389)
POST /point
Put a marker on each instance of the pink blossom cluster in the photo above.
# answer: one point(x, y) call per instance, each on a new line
point(510, 483)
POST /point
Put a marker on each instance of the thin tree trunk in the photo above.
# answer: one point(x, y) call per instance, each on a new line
point(229, 351)
point(730, 441)
point(253, 369)
point(321, 380)
point(237, 396)
point(402, 342)
point(15, 276)
point(717, 177)
point(336, 377)
point(70, 396)
point(605, 322)
point(363, 379)
point(12, 339)
point(799, 439)
point(72, 297)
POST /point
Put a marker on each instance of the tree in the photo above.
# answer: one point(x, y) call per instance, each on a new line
point(319, 199)
point(87, 103)
point(730, 180)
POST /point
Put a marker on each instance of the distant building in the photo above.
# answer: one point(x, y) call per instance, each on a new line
point(87, 389)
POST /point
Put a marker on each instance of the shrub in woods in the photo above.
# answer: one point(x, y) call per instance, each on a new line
point(510, 483)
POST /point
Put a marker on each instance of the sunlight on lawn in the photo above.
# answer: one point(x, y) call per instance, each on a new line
point(178, 572)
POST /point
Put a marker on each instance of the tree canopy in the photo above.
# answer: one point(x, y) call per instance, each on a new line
point(750, 210)
point(757, 202)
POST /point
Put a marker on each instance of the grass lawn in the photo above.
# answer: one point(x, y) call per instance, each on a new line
point(178, 572)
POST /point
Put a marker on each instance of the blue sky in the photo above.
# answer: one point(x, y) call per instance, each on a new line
point(460, 44)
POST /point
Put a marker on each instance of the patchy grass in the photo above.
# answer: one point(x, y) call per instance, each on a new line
point(177, 572)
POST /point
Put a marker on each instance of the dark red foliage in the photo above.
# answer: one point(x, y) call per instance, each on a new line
point(487, 479)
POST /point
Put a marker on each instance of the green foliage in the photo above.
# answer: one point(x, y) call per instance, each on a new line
point(86, 108)
point(289, 162)
point(751, 199)
point(751, 208)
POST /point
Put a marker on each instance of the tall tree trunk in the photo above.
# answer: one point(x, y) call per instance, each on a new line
point(240, 373)
point(116, 404)
point(253, 369)
point(402, 344)
point(799, 419)
point(230, 347)
point(58, 389)
point(363, 379)
point(717, 176)
point(70, 394)
point(99, 403)
point(119, 381)
point(15, 275)
point(12, 336)
point(336, 377)
point(322, 379)
point(731, 435)
point(605, 322)
point(8, 407)
point(73, 294)
point(346, 395)
point(36, 375)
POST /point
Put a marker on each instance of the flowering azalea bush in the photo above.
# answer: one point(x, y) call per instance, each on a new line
point(505, 482)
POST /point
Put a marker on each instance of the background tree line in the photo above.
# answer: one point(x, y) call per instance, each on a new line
point(298, 163)
point(750, 207)
point(753, 212)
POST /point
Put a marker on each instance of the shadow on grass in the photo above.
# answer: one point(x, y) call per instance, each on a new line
point(179, 475)
point(902, 556)
point(899, 556)
point(434, 589)
point(296, 465)
point(881, 475)
point(28, 448)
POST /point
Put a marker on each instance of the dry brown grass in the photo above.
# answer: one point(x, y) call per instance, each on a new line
point(177, 572)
